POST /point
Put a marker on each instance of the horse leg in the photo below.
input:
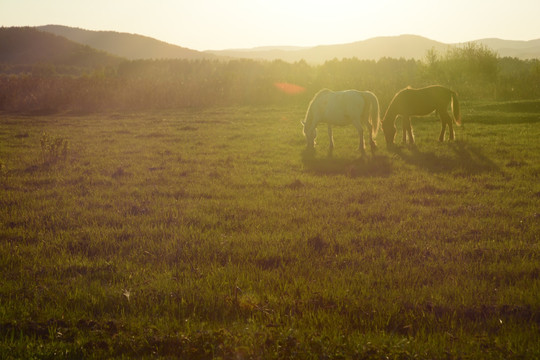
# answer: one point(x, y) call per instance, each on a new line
point(407, 129)
point(372, 142)
point(330, 137)
point(443, 129)
point(410, 130)
point(404, 125)
point(443, 115)
point(360, 130)
point(361, 145)
point(446, 117)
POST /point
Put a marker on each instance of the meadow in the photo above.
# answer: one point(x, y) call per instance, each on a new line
point(213, 233)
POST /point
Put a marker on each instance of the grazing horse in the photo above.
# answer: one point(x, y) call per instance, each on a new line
point(418, 102)
point(360, 108)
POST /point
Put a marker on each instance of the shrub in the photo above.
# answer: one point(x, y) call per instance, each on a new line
point(53, 148)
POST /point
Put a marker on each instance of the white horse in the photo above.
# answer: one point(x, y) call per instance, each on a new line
point(360, 108)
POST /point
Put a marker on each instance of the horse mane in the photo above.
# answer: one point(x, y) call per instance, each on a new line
point(390, 107)
point(309, 115)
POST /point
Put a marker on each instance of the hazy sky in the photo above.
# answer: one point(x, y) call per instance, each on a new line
point(222, 24)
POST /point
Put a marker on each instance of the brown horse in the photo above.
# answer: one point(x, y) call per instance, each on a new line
point(418, 102)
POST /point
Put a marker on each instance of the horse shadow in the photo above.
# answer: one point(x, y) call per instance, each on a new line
point(376, 165)
point(466, 158)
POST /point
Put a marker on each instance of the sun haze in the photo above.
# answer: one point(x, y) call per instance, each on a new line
point(216, 24)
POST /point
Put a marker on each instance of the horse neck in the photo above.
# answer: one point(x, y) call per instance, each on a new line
point(309, 122)
point(390, 115)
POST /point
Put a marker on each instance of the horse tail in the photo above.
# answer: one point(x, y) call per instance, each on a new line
point(456, 109)
point(374, 112)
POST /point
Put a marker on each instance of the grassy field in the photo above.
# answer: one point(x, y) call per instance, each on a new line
point(213, 233)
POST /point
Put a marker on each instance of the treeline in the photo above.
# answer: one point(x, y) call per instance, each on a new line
point(474, 71)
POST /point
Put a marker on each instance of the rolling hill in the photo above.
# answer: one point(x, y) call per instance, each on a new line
point(403, 46)
point(133, 46)
point(29, 46)
point(129, 46)
point(511, 48)
point(64, 45)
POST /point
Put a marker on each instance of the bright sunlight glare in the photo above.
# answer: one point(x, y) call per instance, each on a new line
point(216, 24)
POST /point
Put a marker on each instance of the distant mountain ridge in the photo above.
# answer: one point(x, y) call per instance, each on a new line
point(28, 46)
point(513, 48)
point(402, 46)
point(133, 46)
point(110, 47)
point(129, 46)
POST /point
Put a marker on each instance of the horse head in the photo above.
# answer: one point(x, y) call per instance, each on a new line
point(310, 133)
point(389, 130)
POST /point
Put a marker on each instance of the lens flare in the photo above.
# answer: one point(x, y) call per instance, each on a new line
point(291, 89)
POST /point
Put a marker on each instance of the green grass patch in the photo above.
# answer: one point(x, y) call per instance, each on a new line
point(213, 233)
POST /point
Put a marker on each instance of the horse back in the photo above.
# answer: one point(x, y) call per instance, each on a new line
point(340, 107)
point(424, 101)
